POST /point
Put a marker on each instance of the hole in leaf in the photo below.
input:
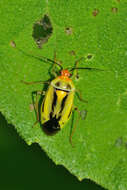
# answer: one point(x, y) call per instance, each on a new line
point(89, 56)
point(42, 31)
point(68, 30)
point(114, 9)
point(95, 12)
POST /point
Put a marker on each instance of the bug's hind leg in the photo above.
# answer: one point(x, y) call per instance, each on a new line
point(73, 130)
point(82, 115)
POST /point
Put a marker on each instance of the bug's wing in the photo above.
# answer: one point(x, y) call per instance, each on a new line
point(67, 109)
point(46, 107)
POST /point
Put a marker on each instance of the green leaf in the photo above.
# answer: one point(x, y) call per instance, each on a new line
point(96, 31)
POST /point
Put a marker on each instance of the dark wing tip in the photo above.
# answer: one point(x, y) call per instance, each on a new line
point(51, 127)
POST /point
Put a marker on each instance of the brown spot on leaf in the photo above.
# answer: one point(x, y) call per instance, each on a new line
point(114, 9)
point(13, 44)
point(89, 56)
point(68, 30)
point(95, 12)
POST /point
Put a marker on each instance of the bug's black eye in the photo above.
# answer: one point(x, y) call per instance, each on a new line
point(68, 87)
point(58, 84)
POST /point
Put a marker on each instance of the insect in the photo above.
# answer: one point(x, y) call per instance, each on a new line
point(57, 105)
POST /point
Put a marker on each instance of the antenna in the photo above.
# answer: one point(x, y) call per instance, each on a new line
point(87, 68)
point(40, 58)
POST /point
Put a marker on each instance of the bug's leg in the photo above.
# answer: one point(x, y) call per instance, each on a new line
point(79, 94)
point(36, 108)
point(82, 115)
point(75, 73)
point(73, 130)
point(35, 104)
point(35, 82)
point(54, 70)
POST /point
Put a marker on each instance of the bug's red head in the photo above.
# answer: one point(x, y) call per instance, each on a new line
point(65, 73)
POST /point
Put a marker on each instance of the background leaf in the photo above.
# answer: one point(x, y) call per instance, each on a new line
point(84, 28)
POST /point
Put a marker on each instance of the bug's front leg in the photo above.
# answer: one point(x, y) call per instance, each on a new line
point(55, 64)
point(75, 73)
point(53, 70)
point(79, 94)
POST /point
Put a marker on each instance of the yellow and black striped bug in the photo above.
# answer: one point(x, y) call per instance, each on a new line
point(57, 105)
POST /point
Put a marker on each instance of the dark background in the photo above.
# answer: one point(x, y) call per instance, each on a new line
point(24, 167)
